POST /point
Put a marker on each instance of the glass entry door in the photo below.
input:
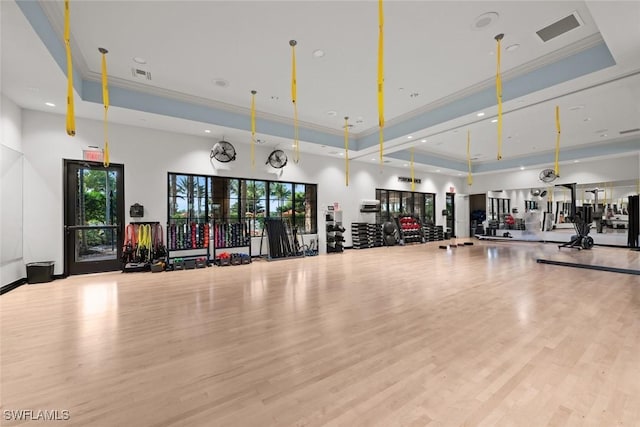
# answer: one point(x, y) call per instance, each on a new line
point(94, 217)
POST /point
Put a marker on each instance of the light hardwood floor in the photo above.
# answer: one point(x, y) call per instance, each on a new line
point(402, 336)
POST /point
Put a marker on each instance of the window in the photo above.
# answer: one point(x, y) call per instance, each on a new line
point(235, 200)
point(254, 209)
point(394, 203)
point(187, 197)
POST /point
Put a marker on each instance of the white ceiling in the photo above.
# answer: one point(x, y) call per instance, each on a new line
point(430, 49)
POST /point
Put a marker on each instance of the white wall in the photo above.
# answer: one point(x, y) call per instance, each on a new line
point(12, 265)
point(149, 154)
point(585, 172)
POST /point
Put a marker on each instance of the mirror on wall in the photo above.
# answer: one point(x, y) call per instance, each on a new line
point(547, 208)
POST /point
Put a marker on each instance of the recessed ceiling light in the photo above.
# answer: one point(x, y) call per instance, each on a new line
point(576, 161)
point(409, 136)
point(332, 113)
point(405, 165)
point(373, 159)
point(484, 21)
point(587, 119)
point(512, 47)
point(423, 140)
point(318, 53)
point(480, 114)
point(49, 104)
point(221, 82)
point(521, 168)
point(342, 154)
point(139, 60)
point(459, 174)
point(576, 107)
point(207, 131)
point(602, 135)
point(494, 120)
point(437, 170)
point(293, 145)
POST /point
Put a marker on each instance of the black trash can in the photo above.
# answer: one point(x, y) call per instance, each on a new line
point(40, 272)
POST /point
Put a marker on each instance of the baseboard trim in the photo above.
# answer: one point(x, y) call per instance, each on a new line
point(11, 286)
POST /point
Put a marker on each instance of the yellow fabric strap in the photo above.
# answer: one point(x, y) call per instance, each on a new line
point(413, 173)
point(105, 101)
point(253, 129)
point(71, 118)
point(469, 177)
point(346, 150)
point(499, 96)
point(381, 77)
point(294, 99)
point(557, 163)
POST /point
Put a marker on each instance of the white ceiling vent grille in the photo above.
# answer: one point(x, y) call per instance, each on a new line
point(139, 73)
point(560, 27)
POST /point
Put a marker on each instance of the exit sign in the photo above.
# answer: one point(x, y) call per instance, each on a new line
point(92, 155)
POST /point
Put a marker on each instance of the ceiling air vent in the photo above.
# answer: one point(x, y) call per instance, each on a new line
point(141, 74)
point(560, 27)
point(624, 132)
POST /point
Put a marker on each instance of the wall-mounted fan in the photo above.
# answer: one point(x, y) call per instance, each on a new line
point(223, 152)
point(548, 175)
point(277, 159)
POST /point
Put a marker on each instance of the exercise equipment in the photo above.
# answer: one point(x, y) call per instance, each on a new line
point(280, 238)
point(581, 222)
point(390, 234)
point(589, 266)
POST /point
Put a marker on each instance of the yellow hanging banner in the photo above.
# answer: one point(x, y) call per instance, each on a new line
point(557, 163)
point(71, 118)
point(253, 129)
point(105, 101)
point(469, 177)
point(294, 100)
point(346, 150)
point(499, 94)
point(381, 77)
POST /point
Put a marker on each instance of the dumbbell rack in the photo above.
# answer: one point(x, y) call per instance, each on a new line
point(365, 235)
point(410, 229)
point(231, 235)
point(335, 238)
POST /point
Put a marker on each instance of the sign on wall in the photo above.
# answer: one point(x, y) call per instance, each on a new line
point(408, 179)
point(92, 155)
